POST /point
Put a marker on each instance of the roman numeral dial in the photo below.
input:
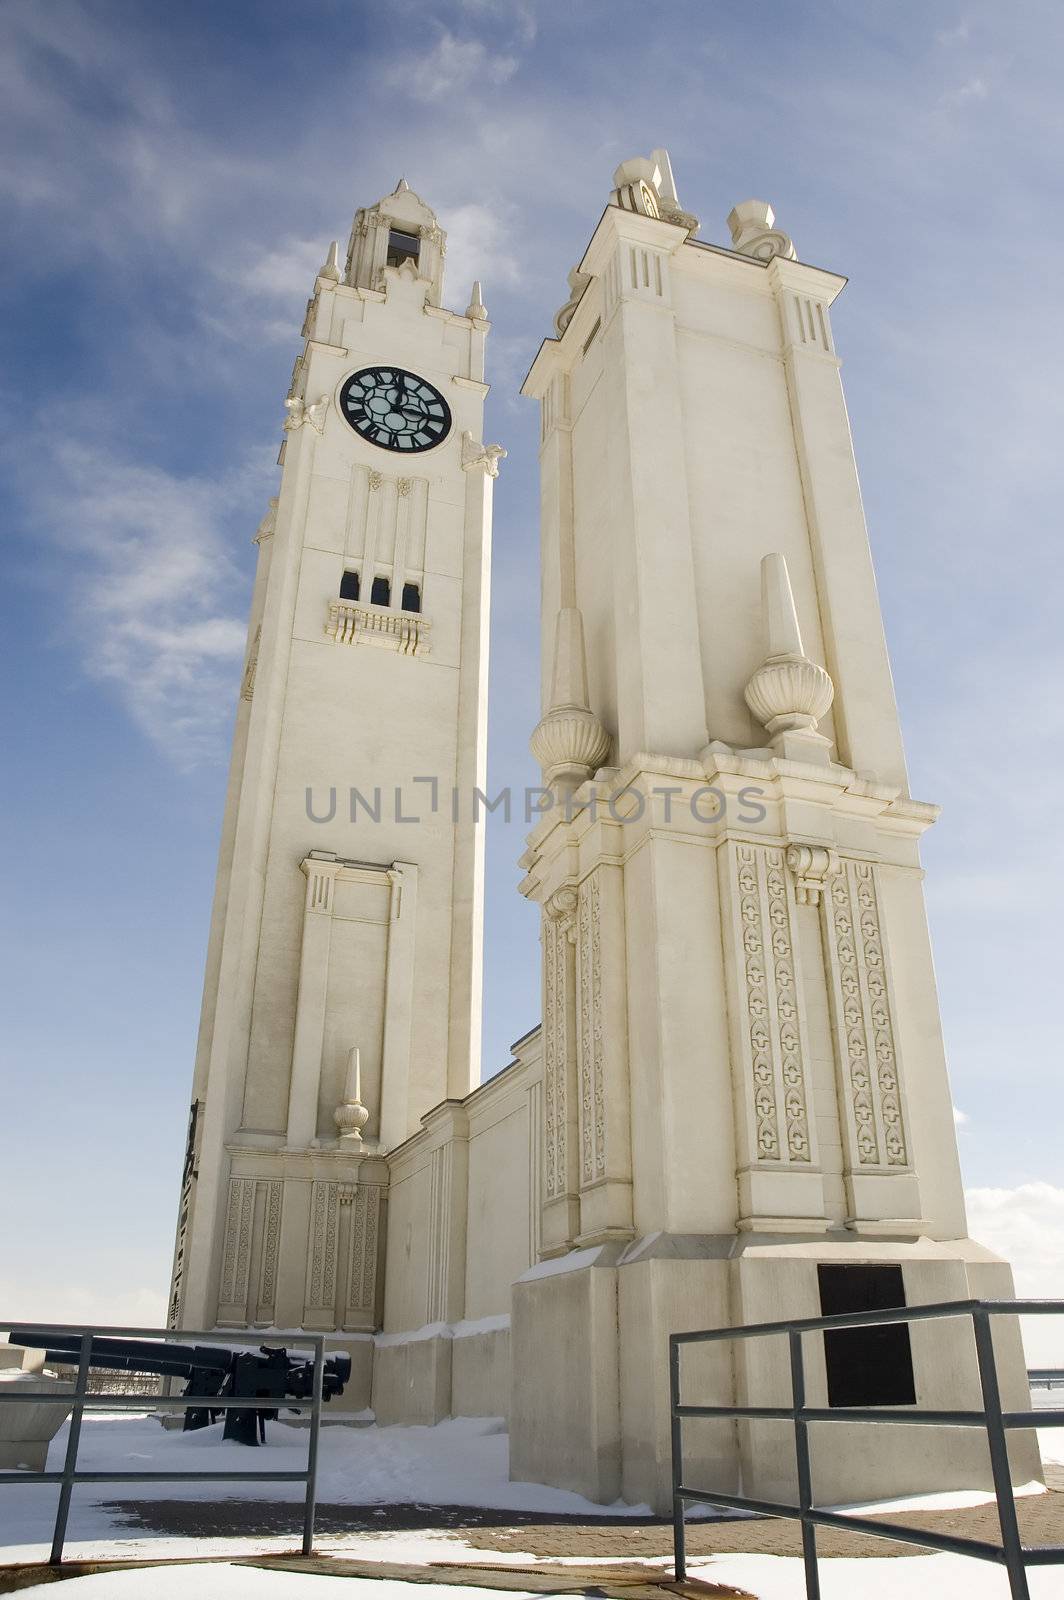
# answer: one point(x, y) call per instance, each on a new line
point(395, 410)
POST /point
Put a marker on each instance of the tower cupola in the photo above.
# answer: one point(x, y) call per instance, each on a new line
point(399, 232)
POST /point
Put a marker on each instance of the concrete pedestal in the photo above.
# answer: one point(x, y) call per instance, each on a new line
point(28, 1428)
point(590, 1388)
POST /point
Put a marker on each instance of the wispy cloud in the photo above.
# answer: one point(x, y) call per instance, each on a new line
point(452, 66)
point(151, 588)
point(480, 244)
point(973, 89)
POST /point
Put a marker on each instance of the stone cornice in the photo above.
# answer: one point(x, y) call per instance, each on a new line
point(822, 795)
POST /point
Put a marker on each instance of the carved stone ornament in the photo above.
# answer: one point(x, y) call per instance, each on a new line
point(809, 865)
point(561, 907)
point(351, 1115)
point(788, 692)
point(569, 742)
point(267, 525)
point(331, 269)
point(487, 456)
point(299, 413)
point(476, 310)
point(753, 234)
point(578, 282)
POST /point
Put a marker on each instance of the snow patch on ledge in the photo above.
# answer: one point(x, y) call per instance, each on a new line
point(446, 1330)
point(556, 1264)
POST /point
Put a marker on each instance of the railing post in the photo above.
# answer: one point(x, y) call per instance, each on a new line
point(62, 1510)
point(997, 1439)
point(311, 1504)
point(805, 1477)
point(679, 1539)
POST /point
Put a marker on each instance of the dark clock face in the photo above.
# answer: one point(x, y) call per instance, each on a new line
point(395, 409)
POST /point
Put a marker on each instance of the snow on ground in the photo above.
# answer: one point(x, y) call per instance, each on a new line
point(461, 1462)
point(912, 1577)
point(464, 1462)
point(936, 1577)
point(244, 1583)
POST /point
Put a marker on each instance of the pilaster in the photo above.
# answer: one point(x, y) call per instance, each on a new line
point(320, 870)
point(660, 703)
point(561, 1091)
point(604, 1121)
point(398, 1005)
point(866, 714)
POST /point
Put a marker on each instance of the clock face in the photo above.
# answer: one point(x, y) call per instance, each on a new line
point(395, 409)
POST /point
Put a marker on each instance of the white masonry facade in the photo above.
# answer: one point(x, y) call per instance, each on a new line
point(737, 1106)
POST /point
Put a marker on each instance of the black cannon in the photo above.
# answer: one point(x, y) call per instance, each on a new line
point(209, 1370)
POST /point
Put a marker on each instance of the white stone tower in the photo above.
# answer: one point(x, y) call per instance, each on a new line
point(342, 994)
point(744, 1080)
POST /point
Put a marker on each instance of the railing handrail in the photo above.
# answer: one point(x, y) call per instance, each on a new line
point(1010, 1553)
point(861, 1319)
point(80, 1401)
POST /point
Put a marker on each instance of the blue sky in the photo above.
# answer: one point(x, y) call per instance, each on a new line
point(172, 177)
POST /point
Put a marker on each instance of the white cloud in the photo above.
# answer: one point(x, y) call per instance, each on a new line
point(960, 1118)
point(151, 589)
point(1025, 1225)
point(973, 89)
point(451, 66)
point(288, 270)
point(519, 13)
point(479, 239)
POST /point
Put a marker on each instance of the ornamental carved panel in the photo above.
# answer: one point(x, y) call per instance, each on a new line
point(559, 1046)
point(321, 1263)
point(772, 1051)
point(236, 1252)
point(273, 1197)
point(864, 1025)
point(590, 1024)
point(362, 1253)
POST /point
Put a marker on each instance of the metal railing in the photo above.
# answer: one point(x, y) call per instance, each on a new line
point(79, 1400)
point(1011, 1553)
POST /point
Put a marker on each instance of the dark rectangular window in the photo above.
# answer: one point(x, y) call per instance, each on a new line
point(866, 1366)
point(402, 247)
point(411, 597)
point(349, 586)
point(381, 593)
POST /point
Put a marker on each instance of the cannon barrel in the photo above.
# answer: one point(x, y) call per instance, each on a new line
point(209, 1370)
point(182, 1360)
point(132, 1355)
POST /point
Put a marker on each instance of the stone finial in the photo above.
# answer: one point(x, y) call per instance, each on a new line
point(578, 282)
point(788, 693)
point(475, 310)
point(569, 742)
point(646, 184)
point(754, 234)
point(402, 187)
point(268, 524)
point(331, 269)
point(351, 1115)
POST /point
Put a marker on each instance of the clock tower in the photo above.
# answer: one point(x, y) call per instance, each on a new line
point(342, 992)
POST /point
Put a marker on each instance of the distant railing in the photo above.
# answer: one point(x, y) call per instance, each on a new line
point(1011, 1553)
point(81, 1400)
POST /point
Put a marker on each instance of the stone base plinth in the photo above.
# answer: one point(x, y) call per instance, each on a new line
point(590, 1388)
point(28, 1427)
